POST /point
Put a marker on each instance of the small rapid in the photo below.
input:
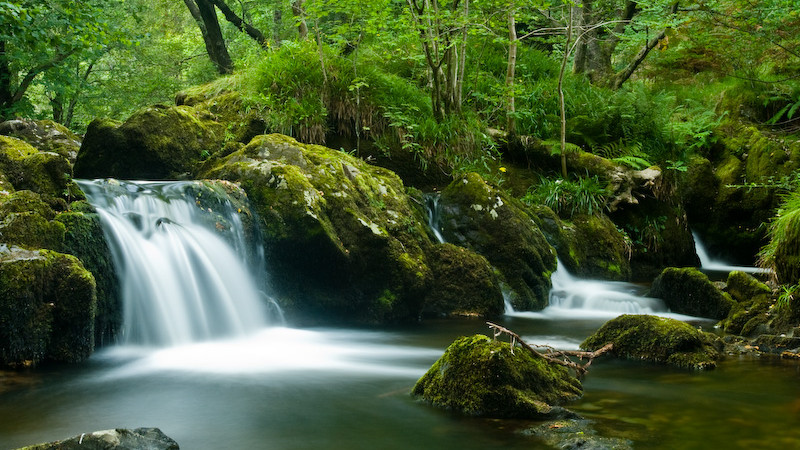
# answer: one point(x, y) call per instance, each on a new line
point(707, 263)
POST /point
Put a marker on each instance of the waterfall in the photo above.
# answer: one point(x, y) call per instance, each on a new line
point(182, 279)
point(432, 207)
point(573, 297)
point(707, 263)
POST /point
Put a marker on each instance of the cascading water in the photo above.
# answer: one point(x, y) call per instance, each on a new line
point(707, 263)
point(432, 207)
point(181, 281)
point(572, 297)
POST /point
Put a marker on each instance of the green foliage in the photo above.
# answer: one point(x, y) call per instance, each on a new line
point(781, 252)
point(566, 197)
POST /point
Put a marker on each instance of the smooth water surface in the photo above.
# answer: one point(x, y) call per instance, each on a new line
point(289, 388)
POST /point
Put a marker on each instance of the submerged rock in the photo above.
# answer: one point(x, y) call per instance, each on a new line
point(689, 291)
point(158, 142)
point(657, 339)
point(576, 434)
point(118, 439)
point(478, 376)
point(484, 219)
point(47, 307)
point(464, 283)
point(341, 237)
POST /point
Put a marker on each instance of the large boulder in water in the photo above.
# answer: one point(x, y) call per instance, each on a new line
point(47, 307)
point(118, 439)
point(158, 142)
point(589, 246)
point(656, 339)
point(689, 291)
point(484, 219)
point(342, 240)
point(478, 376)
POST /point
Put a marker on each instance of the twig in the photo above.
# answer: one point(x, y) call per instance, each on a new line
point(552, 354)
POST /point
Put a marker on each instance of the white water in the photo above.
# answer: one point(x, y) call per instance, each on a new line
point(575, 298)
point(432, 207)
point(707, 263)
point(180, 281)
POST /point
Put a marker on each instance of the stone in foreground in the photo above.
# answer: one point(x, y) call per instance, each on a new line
point(119, 439)
point(478, 376)
point(657, 339)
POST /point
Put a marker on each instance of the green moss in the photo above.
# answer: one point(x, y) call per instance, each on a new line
point(481, 377)
point(463, 283)
point(154, 143)
point(47, 174)
point(484, 219)
point(84, 239)
point(341, 231)
point(47, 307)
point(656, 339)
point(689, 291)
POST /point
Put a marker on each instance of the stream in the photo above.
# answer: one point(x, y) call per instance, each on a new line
point(339, 388)
point(228, 375)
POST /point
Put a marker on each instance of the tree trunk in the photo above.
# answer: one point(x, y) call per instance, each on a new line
point(300, 16)
point(243, 26)
point(511, 122)
point(5, 82)
point(205, 15)
point(561, 96)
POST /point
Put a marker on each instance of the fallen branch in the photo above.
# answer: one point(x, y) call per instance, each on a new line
point(560, 357)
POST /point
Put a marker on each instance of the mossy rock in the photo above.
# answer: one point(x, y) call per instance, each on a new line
point(158, 142)
point(698, 187)
point(84, 239)
point(689, 291)
point(48, 174)
point(753, 302)
point(47, 307)
point(464, 283)
point(484, 219)
point(45, 135)
point(575, 434)
point(25, 220)
point(242, 123)
point(785, 242)
point(478, 376)
point(118, 439)
point(597, 249)
point(340, 236)
point(657, 339)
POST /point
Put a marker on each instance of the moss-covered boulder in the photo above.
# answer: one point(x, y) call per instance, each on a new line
point(782, 252)
point(341, 237)
point(84, 238)
point(158, 142)
point(689, 291)
point(478, 376)
point(26, 220)
point(484, 219)
point(750, 314)
point(46, 173)
point(464, 283)
point(591, 246)
point(45, 135)
point(657, 339)
point(47, 307)
point(118, 439)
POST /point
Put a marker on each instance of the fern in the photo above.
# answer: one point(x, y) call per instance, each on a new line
point(634, 162)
